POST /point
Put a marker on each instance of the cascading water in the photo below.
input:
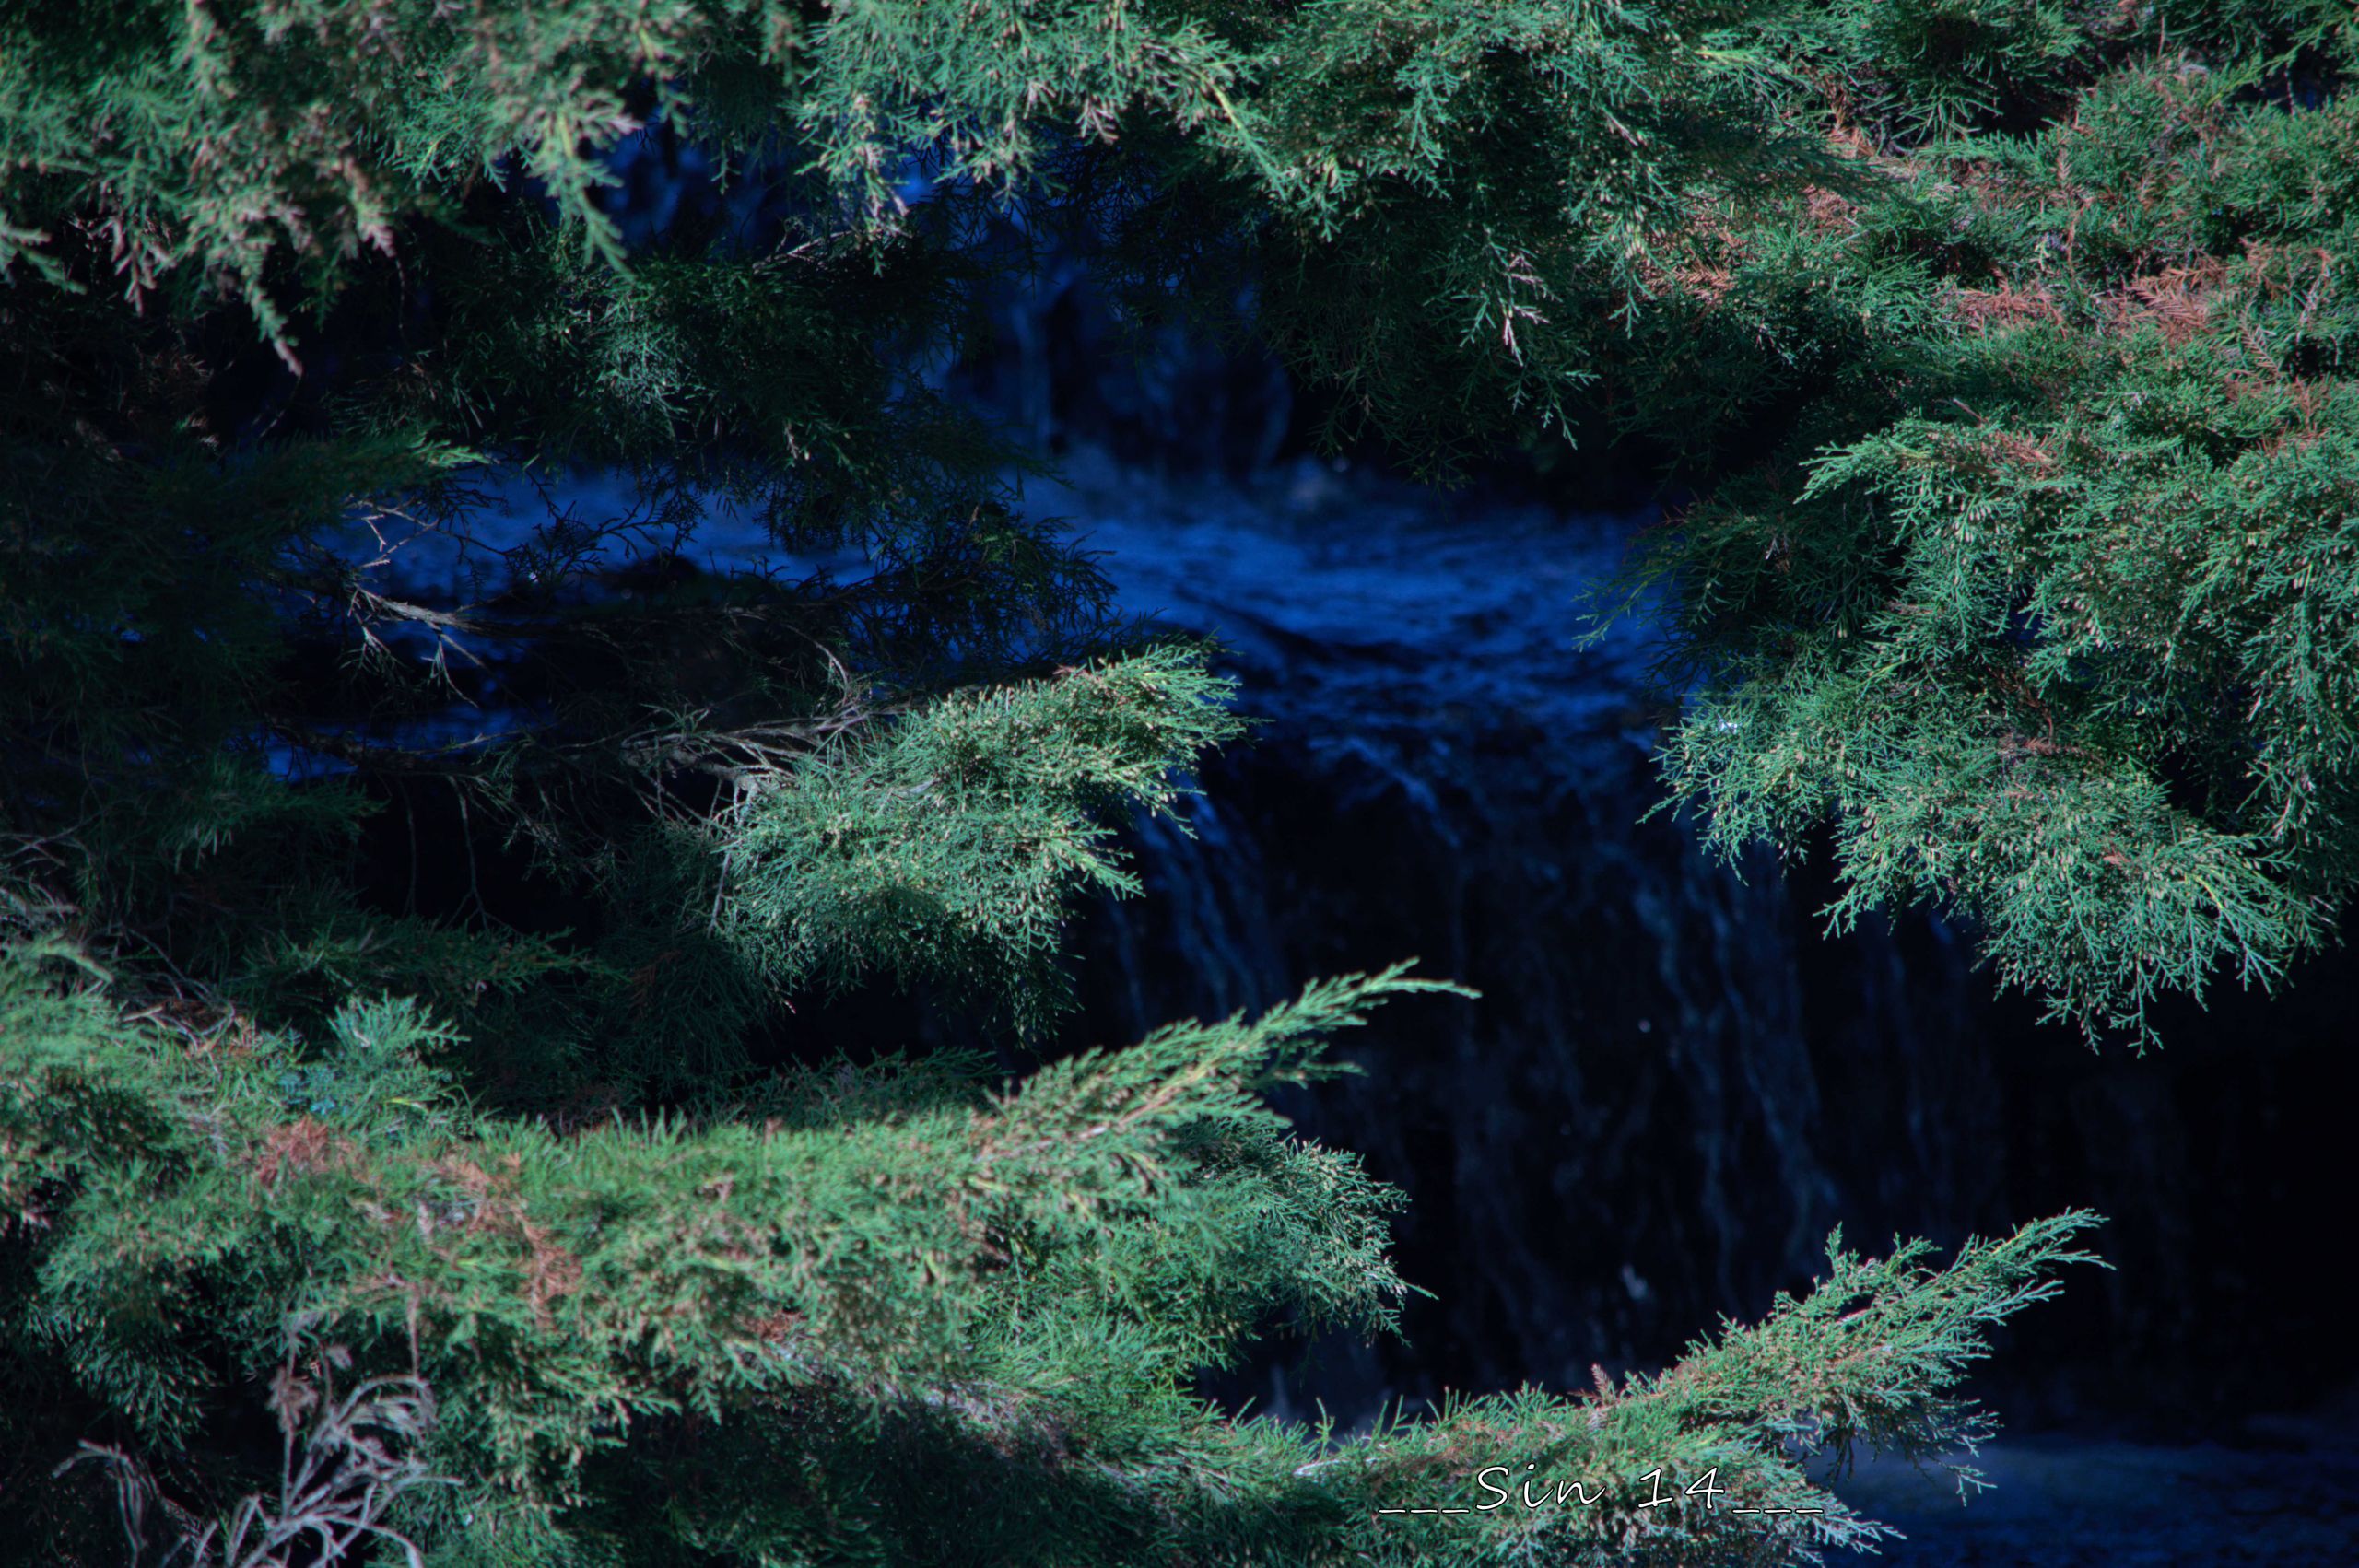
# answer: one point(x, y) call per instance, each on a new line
point(1675, 1082)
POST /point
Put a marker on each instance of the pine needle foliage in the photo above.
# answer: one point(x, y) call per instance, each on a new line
point(951, 846)
point(402, 905)
point(2046, 603)
point(996, 1294)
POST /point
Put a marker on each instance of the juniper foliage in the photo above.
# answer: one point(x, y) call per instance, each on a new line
point(887, 1282)
point(338, 1185)
point(2042, 595)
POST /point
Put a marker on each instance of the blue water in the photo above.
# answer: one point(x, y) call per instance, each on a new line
point(2284, 1494)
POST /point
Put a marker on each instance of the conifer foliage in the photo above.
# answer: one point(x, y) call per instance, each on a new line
point(355, 1207)
point(2043, 598)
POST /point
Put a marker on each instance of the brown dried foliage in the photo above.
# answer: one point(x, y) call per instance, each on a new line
point(494, 1208)
point(305, 1146)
